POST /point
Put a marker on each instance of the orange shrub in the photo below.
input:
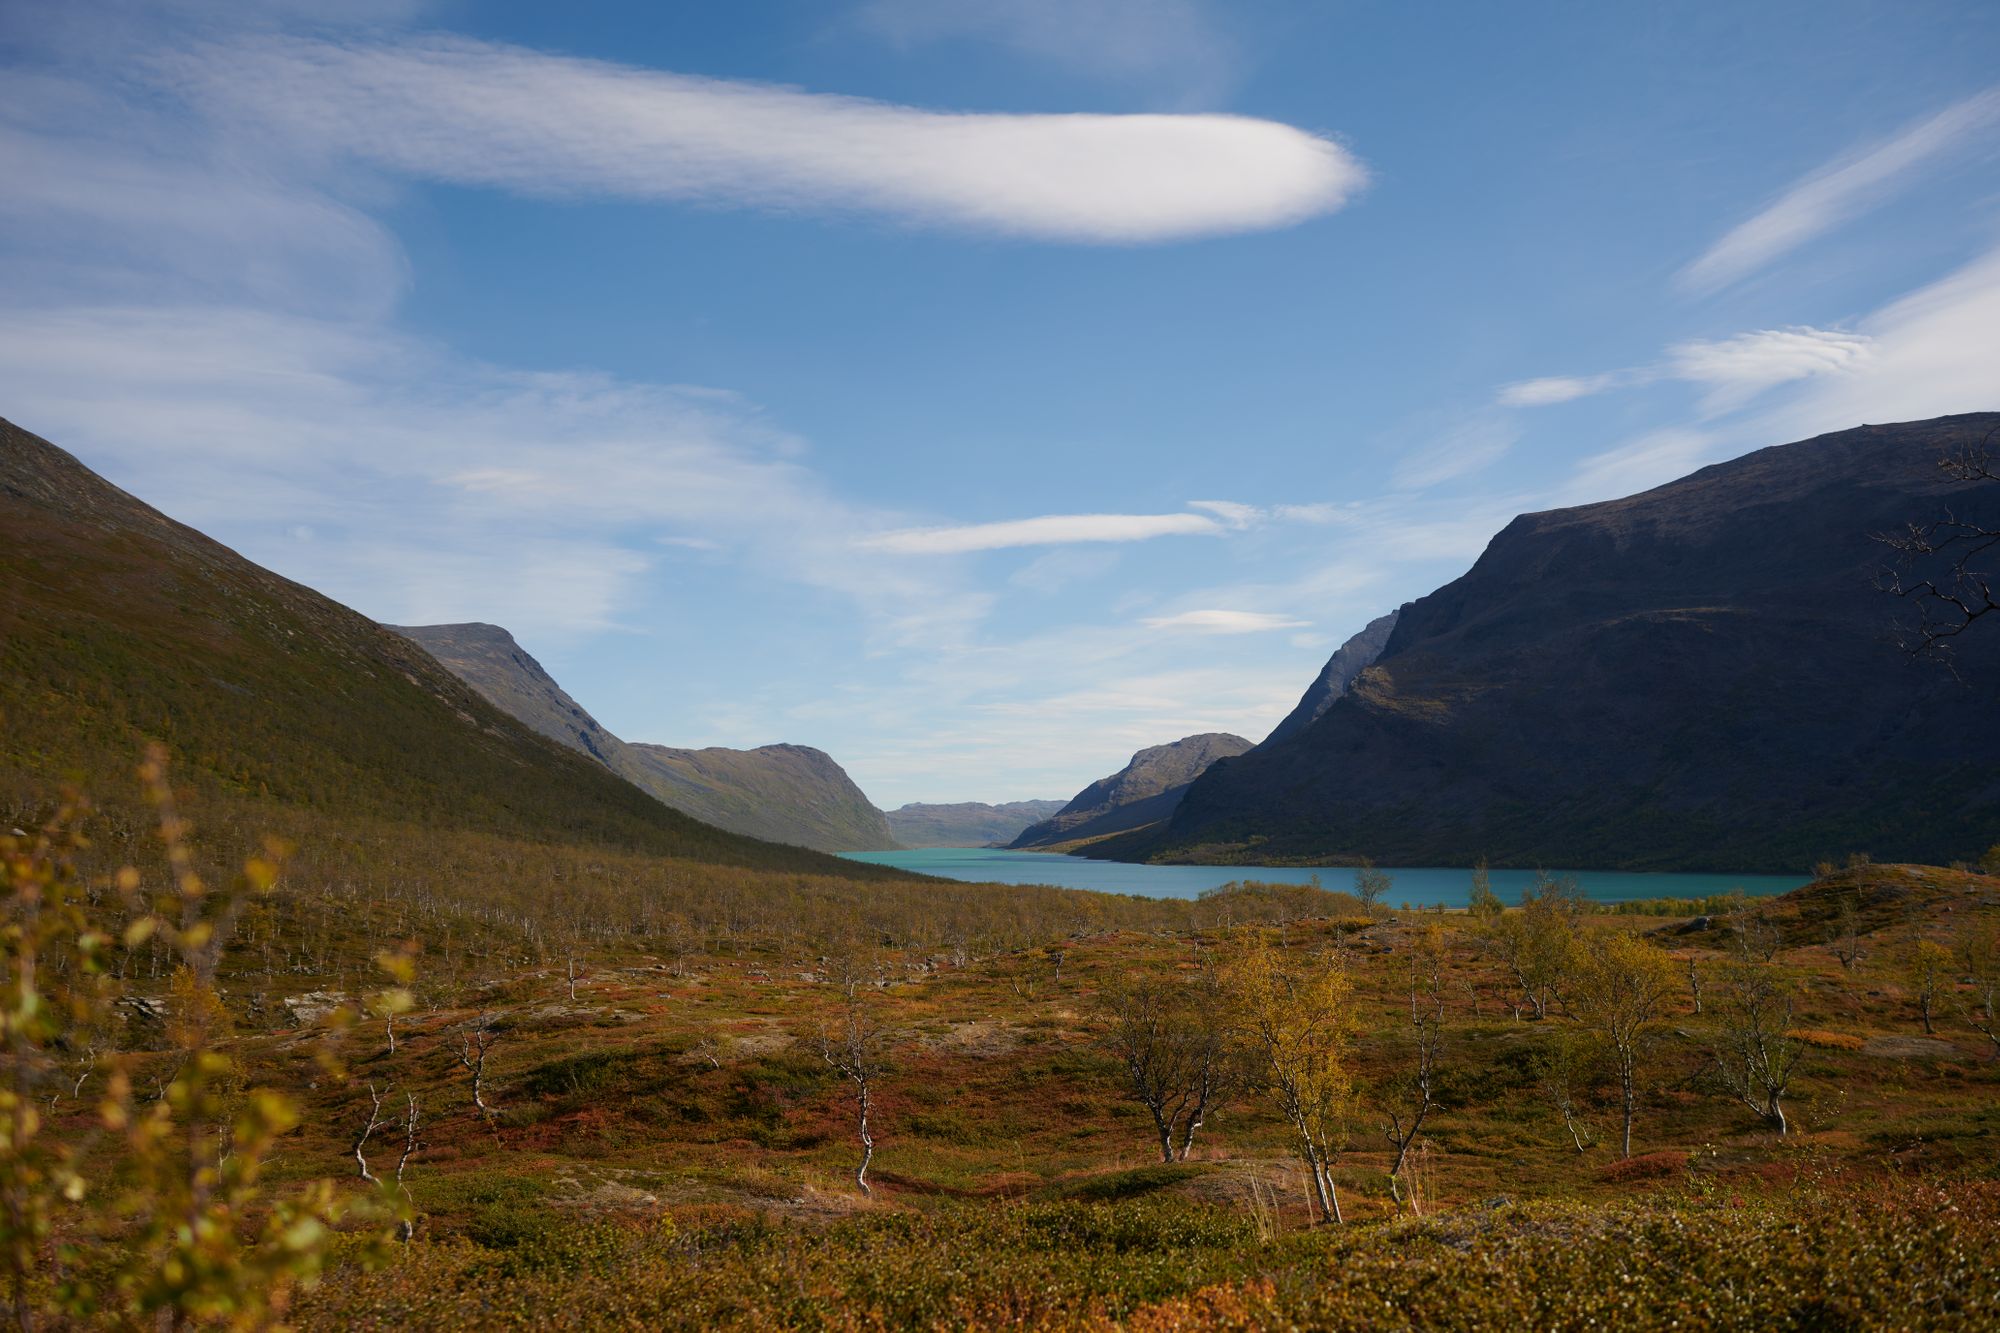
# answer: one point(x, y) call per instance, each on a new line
point(1646, 1166)
point(1832, 1041)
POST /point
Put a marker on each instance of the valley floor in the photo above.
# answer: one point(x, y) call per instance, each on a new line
point(667, 1144)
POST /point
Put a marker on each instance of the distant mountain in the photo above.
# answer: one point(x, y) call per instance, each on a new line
point(1143, 792)
point(1348, 661)
point(790, 793)
point(487, 658)
point(119, 626)
point(967, 823)
point(780, 793)
point(1700, 677)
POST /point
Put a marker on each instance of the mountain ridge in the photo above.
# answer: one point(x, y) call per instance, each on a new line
point(1700, 676)
point(1145, 791)
point(777, 793)
point(120, 626)
point(966, 823)
point(1349, 660)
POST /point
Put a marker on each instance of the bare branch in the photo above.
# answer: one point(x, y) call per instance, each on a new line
point(474, 1041)
point(854, 1045)
point(375, 1122)
point(1948, 568)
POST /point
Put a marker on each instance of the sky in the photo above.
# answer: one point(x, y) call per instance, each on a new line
point(978, 390)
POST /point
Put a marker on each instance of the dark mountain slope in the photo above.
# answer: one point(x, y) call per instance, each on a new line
point(1348, 661)
point(1143, 792)
point(966, 823)
point(780, 793)
point(119, 625)
point(1702, 677)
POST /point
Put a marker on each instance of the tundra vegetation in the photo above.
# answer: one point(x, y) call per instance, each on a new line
point(458, 1081)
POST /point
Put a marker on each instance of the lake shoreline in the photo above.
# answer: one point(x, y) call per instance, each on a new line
point(1417, 886)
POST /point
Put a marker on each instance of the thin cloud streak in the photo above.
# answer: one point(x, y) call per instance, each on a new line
point(1734, 370)
point(1217, 621)
point(402, 457)
point(1047, 530)
point(1737, 369)
point(1930, 354)
point(473, 113)
point(1835, 193)
point(1553, 389)
point(1470, 447)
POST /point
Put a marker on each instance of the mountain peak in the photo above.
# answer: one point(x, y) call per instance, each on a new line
point(121, 626)
point(780, 793)
point(1700, 676)
point(1348, 661)
point(1144, 791)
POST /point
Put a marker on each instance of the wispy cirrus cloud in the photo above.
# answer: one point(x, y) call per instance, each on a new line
point(1464, 449)
point(431, 486)
point(1231, 512)
point(1217, 621)
point(1553, 389)
point(1736, 369)
point(1733, 370)
point(473, 113)
point(1930, 353)
point(1206, 518)
point(1925, 354)
point(1046, 530)
point(1651, 460)
point(1838, 191)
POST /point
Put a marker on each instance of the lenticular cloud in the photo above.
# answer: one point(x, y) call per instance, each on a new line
point(496, 116)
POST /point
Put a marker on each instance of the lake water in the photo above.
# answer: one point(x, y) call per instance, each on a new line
point(1420, 886)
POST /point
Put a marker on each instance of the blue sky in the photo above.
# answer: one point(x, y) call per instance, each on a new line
point(977, 391)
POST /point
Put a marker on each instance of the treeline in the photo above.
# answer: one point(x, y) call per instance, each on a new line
point(1274, 1015)
point(478, 902)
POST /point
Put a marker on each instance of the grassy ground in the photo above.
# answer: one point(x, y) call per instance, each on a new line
point(668, 1147)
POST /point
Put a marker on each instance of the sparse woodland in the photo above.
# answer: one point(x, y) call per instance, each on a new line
point(408, 1079)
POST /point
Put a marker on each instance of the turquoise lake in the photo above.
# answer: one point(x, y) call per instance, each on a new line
point(1420, 886)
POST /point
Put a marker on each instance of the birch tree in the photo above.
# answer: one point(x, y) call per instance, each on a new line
point(1621, 991)
point(475, 1041)
point(1296, 1012)
point(1483, 904)
point(1927, 969)
point(1754, 1049)
point(1846, 941)
point(1413, 1101)
point(1371, 885)
point(406, 1210)
point(1979, 958)
point(1171, 1040)
point(854, 1044)
point(373, 1122)
point(1536, 941)
point(1562, 1067)
point(394, 1187)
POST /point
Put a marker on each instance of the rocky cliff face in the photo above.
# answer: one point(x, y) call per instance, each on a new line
point(1348, 661)
point(1703, 676)
point(1143, 792)
point(487, 658)
point(967, 823)
point(779, 793)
